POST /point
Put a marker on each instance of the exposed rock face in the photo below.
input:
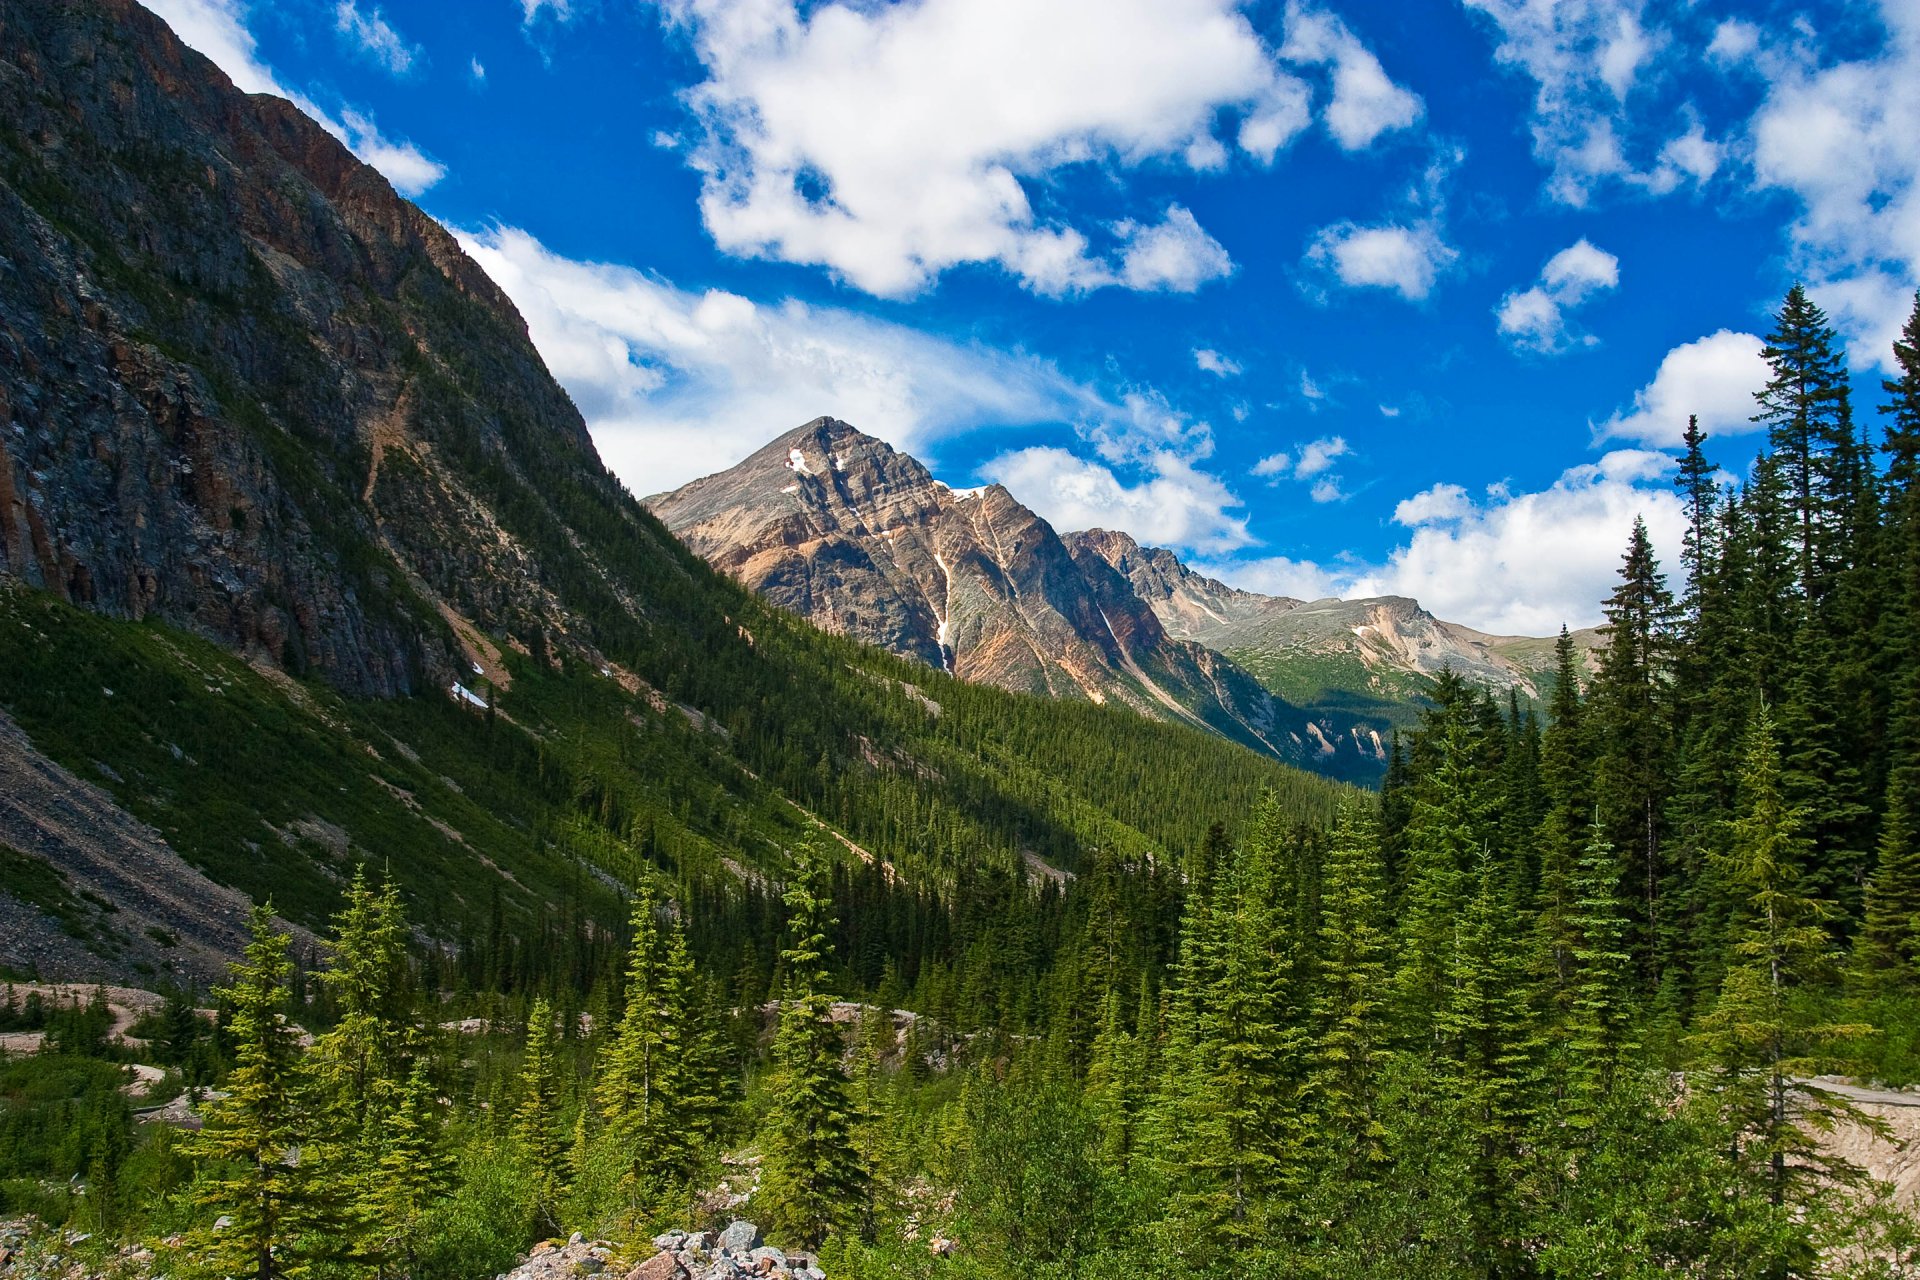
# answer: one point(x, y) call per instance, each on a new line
point(1379, 647)
point(846, 531)
point(243, 385)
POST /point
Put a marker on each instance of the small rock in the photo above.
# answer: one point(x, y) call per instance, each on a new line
point(661, 1266)
point(768, 1254)
point(940, 1247)
point(575, 1238)
point(740, 1236)
point(724, 1269)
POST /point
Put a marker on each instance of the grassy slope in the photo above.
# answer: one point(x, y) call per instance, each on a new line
point(575, 782)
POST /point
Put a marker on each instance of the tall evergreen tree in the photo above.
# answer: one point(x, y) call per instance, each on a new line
point(1804, 406)
point(259, 1126)
point(813, 1178)
point(1633, 733)
point(536, 1118)
point(1351, 1003)
point(1598, 1033)
point(1761, 1036)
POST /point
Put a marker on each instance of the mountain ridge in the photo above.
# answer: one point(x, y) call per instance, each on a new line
point(838, 527)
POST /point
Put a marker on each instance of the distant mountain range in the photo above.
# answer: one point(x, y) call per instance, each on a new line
point(859, 538)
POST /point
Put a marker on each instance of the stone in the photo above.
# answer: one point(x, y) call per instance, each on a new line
point(661, 1266)
point(740, 1236)
point(724, 1269)
point(767, 1253)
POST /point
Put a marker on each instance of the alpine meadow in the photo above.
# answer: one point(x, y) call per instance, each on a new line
point(1395, 757)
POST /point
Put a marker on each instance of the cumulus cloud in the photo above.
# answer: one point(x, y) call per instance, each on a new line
point(1210, 361)
point(1593, 64)
point(375, 36)
point(218, 30)
point(985, 100)
point(1174, 505)
point(1403, 259)
point(1173, 255)
point(1839, 136)
point(677, 383)
point(1365, 102)
point(1534, 319)
point(1509, 563)
point(1715, 377)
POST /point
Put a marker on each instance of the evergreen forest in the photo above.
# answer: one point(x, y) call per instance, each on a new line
point(1588, 989)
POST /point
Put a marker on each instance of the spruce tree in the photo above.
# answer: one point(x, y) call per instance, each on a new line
point(536, 1118)
point(1804, 406)
point(411, 1175)
point(259, 1126)
point(1632, 727)
point(1351, 1004)
point(1761, 1036)
point(1598, 1032)
point(641, 1083)
point(812, 1176)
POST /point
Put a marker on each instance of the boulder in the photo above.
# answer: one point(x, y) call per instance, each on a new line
point(661, 1266)
point(740, 1236)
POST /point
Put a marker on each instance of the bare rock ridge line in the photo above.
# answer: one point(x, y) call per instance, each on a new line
point(846, 531)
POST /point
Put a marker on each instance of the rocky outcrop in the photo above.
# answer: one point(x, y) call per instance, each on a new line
point(248, 389)
point(846, 531)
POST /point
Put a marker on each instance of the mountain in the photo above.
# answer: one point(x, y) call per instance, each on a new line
point(842, 529)
point(1372, 657)
point(306, 563)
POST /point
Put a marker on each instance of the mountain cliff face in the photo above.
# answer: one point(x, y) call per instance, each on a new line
point(1374, 653)
point(842, 529)
point(249, 390)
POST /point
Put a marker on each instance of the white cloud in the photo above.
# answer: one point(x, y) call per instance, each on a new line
point(1365, 102)
point(1210, 361)
point(1311, 391)
point(1518, 564)
point(1432, 506)
point(1278, 576)
point(478, 71)
point(983, 100)
point(1593, 63)
point(676, 384)
point(1400, 258)
point(1841, 138)
point(531, 10)
point(1174, 255)
point(1715, 377)
point(1176, 505)
point(1327, 489)
point(1274, 464)
point(218, 30)
point(375, 36)
point(1534, 319)
point(1318, 455)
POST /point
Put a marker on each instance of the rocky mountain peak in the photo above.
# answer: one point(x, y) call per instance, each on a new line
point(858, 537)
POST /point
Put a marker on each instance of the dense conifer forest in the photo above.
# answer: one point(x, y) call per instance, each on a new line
point(1566, 999)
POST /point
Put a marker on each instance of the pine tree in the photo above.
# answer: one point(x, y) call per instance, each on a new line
point(413, 1172)
point(1598, 1031)
point(1760, 1036)
point(642, 1081)
point(1633, 730)
point(812, 1177)
point(1443, 839)
point(260, 1124)
point(536, 1119)
point(1351, 1005)
point(1804, 406)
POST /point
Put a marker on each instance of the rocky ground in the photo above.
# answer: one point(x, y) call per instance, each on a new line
point(733, 1254)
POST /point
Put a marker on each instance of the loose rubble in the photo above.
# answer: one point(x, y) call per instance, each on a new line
point(736, 1253)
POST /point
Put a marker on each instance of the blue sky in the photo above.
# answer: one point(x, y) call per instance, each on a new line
point(1334, 298)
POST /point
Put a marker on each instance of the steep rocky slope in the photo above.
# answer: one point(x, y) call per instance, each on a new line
point(1374, 655)
point(844, 530)
point(306, 563)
